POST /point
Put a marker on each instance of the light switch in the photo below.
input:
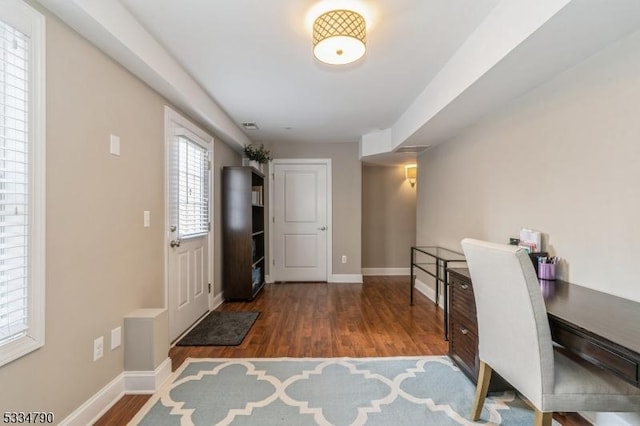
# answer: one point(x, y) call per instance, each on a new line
point(116, 337)
point(115, 145)
point(147, 218)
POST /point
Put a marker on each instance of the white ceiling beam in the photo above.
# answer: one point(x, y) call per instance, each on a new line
point(520, 45)
point(574, 33)
point(507, 26)
point(375, 143)
point(503, 30)
point(112, 28)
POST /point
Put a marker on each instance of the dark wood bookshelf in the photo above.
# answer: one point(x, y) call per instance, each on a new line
point(243, 229)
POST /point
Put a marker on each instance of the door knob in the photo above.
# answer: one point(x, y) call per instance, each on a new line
point(324, 228)
point(175, 243)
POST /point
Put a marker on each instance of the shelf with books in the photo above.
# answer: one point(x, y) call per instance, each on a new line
point(243, 223)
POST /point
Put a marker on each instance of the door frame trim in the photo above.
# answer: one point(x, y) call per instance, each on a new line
point(271, 180)
point(174, 119)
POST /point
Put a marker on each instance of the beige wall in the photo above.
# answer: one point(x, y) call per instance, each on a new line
point(101, 262)
point(347, 187)
point(564, 159)
point(388, 217)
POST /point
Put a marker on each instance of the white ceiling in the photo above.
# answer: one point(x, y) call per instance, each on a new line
point(432, 67)
point(254, 57)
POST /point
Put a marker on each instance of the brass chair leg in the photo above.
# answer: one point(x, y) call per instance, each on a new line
point(484, 377)
point(542, 419)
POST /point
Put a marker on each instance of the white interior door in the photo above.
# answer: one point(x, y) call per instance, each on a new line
point(189, 230)
point(300, 222)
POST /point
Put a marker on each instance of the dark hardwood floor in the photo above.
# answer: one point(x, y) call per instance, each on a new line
point(325, 320)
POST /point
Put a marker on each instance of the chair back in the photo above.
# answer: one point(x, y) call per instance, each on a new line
point(513, 329)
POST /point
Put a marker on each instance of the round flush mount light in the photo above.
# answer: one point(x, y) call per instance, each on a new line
point(339, 37)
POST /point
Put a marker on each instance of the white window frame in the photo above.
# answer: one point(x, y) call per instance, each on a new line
point(194, 139)
point(29, 21)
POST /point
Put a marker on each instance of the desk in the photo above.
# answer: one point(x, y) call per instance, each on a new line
point(434, 261)
point(597, 327)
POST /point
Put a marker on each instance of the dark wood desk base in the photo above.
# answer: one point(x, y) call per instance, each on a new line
point(463, 338)
point(597, 350)
point(586, 344)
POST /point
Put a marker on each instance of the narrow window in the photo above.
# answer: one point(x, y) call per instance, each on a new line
point(21, 181)
point(193, 188)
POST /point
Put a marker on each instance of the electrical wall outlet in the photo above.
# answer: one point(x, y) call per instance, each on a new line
point(147, 218)
point(116, 337)
point(98, 348)
point(344, 259)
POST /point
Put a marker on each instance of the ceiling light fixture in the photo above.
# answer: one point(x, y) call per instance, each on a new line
point(339, 37)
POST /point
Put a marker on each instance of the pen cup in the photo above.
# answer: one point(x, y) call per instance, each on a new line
point(547, 271)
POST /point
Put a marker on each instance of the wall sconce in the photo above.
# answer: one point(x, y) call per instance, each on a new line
point(411, 173)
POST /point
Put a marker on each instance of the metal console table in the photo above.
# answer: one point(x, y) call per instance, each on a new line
point(434, 261)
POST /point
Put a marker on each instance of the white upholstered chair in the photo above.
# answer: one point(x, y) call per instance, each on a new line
point(515, 341)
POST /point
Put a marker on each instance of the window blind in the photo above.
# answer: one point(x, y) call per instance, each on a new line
point(193, 188)
point(14, 184)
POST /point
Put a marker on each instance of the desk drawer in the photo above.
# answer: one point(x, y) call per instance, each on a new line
point(463, 295)
point(596, 353)
point(462, 315)
point(462, 300)
point(464, 344)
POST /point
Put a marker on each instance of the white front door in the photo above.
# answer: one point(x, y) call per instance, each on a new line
point(300, 222)
point(189, 189)
point(187, 284)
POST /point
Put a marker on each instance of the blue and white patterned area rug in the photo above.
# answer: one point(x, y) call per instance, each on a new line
point(329, 391)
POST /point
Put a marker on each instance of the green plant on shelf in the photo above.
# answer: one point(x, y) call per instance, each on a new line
point(257, 153)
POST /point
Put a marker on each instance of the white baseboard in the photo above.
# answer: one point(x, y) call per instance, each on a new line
point(429, 292)
point(146, 382)
point(217, 301)
point(267, 279)
point(345, 278)
point(128, 382)
point(386, 271)
point(95, 407)
point(612, 419)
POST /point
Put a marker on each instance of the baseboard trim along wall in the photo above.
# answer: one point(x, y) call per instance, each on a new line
point(345, 278)
point(97, 405)
point(217, 301)
point(428, 291)
point(127, 382)
point(385, 271)
point(146, 382)
point(333, 278)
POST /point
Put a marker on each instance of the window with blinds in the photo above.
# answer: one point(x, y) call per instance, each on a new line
point(22, 180)
point(14, 184)
point(192, 188)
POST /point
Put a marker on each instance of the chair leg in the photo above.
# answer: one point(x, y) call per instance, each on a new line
point(484, 377)
point(542, 419)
